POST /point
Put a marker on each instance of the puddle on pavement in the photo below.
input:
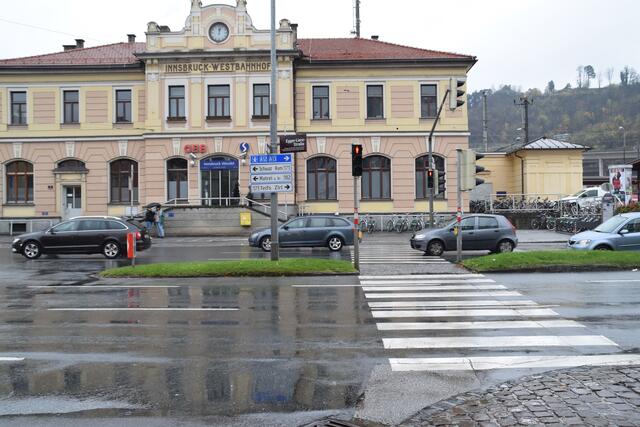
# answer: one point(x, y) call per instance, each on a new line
point(284, 350)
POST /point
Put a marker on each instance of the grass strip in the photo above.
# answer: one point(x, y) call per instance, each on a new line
point(555, 260)
point(235, 268)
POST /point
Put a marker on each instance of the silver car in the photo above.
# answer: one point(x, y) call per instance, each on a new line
point(619, 233)
point(313, 231)
point(479, 232)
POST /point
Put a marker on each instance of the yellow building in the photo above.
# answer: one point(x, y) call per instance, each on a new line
point(542, 167)
point(102, 129)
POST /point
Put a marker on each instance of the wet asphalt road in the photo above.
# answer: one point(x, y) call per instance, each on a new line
point(238, 352)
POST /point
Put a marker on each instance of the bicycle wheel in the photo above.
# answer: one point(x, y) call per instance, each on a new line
point(389, 225)
point(551, 223)
point(535, 224)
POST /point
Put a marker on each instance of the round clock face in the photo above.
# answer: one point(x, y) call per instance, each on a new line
point(219, 32)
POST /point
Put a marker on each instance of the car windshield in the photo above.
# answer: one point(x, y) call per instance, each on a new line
point(577, 194)
point(611, 224)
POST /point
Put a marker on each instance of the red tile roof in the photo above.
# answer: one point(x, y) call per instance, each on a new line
point(110, 54)
point(359, 49)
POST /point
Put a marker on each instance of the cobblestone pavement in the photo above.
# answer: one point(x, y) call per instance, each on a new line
point(600, 396)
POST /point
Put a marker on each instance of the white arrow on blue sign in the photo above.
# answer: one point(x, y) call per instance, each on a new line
point(270, 158)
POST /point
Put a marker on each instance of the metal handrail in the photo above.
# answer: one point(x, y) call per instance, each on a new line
point(223, 201)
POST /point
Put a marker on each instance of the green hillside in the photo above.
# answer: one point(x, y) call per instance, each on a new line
point(584, 116)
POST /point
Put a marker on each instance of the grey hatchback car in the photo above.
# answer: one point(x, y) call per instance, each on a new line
point(619, 233)
point(479, 232)
point(313, 231)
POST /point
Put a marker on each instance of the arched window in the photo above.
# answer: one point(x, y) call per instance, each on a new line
point(71, 165)
point(376, 178)
point(177, 179)
point(19, 178)
point(422, 167)
point(321, 178)
point(120, 174)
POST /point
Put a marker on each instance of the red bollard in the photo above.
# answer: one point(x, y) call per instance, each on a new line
point(131, 247)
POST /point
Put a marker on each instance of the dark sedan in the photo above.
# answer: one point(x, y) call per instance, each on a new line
point(82, 235)
point(313, 231)
point(479, 232)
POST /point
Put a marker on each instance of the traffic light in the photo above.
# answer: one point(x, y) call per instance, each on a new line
point(430, 176)
point(469, 169)
point(356, 160)
point(456, 93)
point(440, 179)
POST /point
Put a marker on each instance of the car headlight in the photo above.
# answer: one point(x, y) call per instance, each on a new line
point(584, 242)
point(16, 240)
point(420, 236)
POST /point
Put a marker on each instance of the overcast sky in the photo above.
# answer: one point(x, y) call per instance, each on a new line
point(520, 42)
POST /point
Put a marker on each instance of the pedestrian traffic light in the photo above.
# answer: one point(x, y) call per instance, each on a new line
point(456, 93)
point(469, 169)
point(356, 160)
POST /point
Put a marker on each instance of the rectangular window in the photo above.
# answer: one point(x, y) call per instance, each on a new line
point(71, 101)
point(176, 103)
point(428, 101)
point(261, 100)
point(219, 101)
point(375, 102)
point(320, 102)
point(123, 106)
point(18, 108)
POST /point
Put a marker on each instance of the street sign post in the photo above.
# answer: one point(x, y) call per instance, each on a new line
point(271, 173)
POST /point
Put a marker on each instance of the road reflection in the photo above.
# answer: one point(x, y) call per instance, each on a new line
point(284, 349)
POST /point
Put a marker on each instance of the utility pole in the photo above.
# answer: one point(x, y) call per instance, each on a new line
point(485, 137)
point(525, 102)
point(273, 115)
point(459, 210)
point(358, 18)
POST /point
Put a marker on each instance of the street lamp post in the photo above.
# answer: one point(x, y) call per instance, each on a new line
point(624, 144)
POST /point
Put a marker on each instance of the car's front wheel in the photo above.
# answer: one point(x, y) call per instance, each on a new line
point(32, 250)
point(435, 248)
point(505, 246)
point(111, 250)
point(335, 244)
point(602, 248)
point(265, 243)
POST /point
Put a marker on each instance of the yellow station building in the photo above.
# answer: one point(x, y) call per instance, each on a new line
point(173, 112)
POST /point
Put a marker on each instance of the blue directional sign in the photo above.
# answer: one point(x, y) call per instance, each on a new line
point(244, 147)
point(271, 173)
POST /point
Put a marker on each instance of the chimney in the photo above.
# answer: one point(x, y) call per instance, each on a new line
point(68, 47)
point(79, 44)
point(131, 38)
point(294, 28)
point(375, 37)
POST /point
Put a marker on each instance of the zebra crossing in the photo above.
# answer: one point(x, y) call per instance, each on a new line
point(394, 254)
point(447, 322)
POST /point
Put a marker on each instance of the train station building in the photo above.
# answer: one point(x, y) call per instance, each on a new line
point(102, 130)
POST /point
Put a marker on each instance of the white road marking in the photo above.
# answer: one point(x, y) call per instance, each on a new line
point(504, 312)
point(510, 324)
point(98, 287)
point(424, 276)
point(423, 282)
point(478, 303)
point(444, 294)
point(510, 362)
point(11, 359)
point(143, 309)
point(403, 262)
point(490, 342)
point(433, 288)
point(614, 281)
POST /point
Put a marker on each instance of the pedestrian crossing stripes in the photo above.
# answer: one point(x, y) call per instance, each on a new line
point(395, 254)
point(465, 313)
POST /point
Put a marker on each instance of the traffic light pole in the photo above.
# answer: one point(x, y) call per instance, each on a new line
point(356, 222)
point(459, 211)
point(431, 189)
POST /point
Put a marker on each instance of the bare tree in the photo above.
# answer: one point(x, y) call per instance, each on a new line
point(610, 71)
point(599, 78)
point(580, 76)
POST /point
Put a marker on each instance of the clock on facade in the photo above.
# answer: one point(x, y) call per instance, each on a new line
point(218, 32)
